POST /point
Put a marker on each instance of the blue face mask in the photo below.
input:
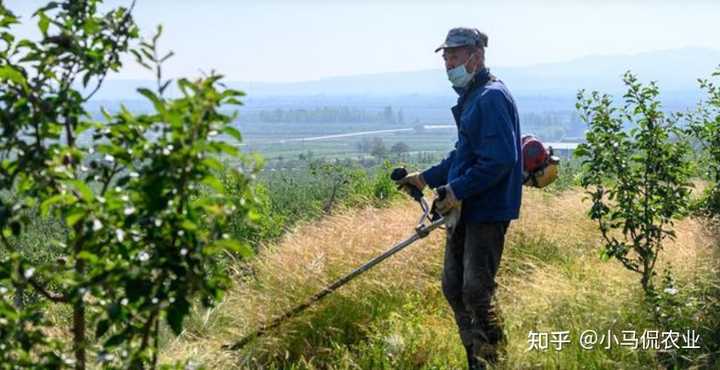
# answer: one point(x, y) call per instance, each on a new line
point(459, 76)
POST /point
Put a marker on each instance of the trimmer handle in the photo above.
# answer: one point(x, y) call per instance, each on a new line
point(442, 193)
point(399, 174)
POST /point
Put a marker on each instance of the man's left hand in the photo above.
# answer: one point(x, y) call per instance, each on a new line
point(446, 205)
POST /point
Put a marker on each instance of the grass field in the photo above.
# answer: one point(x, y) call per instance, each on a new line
point(395, 316)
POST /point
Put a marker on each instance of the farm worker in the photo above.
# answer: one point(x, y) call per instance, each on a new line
point(484, 174)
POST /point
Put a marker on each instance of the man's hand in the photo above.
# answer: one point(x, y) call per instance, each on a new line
point(448, 203)
point(415, 179)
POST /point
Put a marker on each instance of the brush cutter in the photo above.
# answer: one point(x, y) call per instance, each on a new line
point(429, 221)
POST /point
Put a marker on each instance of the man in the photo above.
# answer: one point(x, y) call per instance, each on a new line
point(484, 173)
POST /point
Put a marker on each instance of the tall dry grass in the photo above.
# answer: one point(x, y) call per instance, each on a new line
point(394, 316)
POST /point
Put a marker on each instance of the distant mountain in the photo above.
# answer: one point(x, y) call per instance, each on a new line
point(675, 70)
point(537, 87)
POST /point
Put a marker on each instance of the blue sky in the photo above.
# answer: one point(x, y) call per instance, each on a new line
point(284, 40)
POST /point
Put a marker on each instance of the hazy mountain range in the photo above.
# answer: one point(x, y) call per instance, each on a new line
point(551, 84)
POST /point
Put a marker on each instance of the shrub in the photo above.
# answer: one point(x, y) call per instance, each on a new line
point(704, 126)
point(143, 216)
point(637, 179)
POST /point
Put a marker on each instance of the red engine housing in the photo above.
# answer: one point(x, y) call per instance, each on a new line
point(534, 154)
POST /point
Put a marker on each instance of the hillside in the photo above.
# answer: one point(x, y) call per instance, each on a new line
point(551, 279)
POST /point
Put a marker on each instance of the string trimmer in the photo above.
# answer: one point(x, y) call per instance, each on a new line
point(429, 221)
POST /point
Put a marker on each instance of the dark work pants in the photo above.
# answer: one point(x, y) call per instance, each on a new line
point(472, 258)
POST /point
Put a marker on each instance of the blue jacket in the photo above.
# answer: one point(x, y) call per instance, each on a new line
point(485, 168)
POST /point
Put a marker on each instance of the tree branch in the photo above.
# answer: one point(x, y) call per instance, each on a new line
point(54, 297)
point(108, 180)
point(112, 52)
point(146, 328)
point(629, 265)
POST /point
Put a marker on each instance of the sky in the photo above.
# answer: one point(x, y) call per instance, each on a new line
point(300, 40)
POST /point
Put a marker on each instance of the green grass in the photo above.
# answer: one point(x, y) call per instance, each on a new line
point(551, 279)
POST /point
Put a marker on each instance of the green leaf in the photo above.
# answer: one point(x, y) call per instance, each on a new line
point(158, 33)
point(43, 23)
point(85, 192)
point(188, 225)
point(8, 73)
point(114, 311)
point(233, 132)
point(25, 43)
point(91, 26)
point(86, 78)
point(213, 163)
point(102, 328)
point(74, 216)
point(214, 183)
point(145, 51)
point(167, 56)
point(233, 101)
point(226, 148)
point(8, 37)
point(165, 86)
point(49, 6)
point(116, 340)
point(15, 228)
point(87, 256)
point(139, 59)
point(52, 201)
point(176, 313)
point(159, 106)
point(231, 245)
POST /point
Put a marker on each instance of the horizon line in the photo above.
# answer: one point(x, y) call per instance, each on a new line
point(324, 78)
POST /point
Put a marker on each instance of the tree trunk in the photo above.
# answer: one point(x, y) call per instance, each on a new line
point(79, 324)
point(329, 205)
point(19, 296)
point(650, 296)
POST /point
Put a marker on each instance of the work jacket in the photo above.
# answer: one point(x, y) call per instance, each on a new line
point(484, 170)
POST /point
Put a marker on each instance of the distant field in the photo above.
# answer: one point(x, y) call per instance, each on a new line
point(288, 140)
point(281, 142)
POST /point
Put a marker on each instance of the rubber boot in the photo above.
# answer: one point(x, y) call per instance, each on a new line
point(490, 345)
point(473, 362)
point(491, 342)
